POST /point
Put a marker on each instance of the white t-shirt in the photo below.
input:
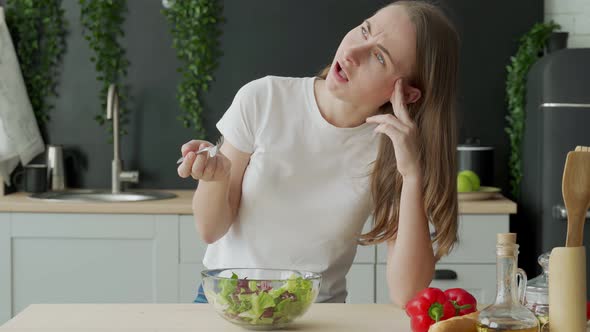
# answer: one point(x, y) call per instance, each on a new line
point(305, 192)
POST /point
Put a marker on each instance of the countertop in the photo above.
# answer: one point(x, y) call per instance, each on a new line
point(20, 202)
point(196, 317)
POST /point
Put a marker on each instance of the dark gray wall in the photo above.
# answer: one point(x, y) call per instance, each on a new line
point(261, 37)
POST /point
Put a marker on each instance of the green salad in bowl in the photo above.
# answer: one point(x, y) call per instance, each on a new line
point(260, 298)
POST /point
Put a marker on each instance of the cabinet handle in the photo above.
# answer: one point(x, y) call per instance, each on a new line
point(445, 275)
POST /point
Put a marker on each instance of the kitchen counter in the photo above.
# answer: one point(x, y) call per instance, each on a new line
point(196, 317)
point(20, 202)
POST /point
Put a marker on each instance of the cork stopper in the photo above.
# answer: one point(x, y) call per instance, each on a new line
point(506, 238)
point(506, 245)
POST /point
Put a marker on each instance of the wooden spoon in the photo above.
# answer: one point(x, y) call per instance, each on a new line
point(576, 193)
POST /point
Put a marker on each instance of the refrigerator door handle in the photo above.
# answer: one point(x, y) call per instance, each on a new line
point(560, 212)
point(565, 105)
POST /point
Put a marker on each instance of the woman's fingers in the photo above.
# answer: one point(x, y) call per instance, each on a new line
point(191, 160)
point(388, 130)
point(398, 102)
point(388, 119)
point(199, 165)
point(209, 171)
point(223, 166)
point(185, 168)
point(194, 145)
point(393, 127)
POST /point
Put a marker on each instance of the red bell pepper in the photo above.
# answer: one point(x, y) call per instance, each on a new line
point(429, 306)
point(462, 300)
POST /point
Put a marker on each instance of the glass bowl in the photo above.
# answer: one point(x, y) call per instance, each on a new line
point(260, 299)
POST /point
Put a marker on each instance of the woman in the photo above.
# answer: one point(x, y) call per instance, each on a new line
point(306, 161)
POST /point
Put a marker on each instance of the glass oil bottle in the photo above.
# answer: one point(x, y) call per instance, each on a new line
point(508, 314)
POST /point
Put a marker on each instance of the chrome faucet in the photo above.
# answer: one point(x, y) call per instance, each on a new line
point(117, 174)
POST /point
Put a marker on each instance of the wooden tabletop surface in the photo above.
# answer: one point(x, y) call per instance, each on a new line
point(197, 317)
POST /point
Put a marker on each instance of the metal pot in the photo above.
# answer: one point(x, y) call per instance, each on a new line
point(478, 158)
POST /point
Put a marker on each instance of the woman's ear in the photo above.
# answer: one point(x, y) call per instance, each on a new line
point(411, 94)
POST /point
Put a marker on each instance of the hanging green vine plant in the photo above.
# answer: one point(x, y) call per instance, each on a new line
point(195, 33)
point(531, 45)
point(38, 29)
point(102, 21)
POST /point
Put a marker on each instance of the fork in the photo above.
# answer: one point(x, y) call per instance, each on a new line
point(211, 149)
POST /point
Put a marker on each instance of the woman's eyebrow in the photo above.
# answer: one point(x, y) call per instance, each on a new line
point(379, 45)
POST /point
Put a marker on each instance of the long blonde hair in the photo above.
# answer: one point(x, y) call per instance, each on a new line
point(435, 74)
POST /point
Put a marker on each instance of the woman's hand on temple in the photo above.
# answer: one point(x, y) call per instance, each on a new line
point(201, 166)
point(403, 133)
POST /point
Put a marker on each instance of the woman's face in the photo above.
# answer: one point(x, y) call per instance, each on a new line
point(372, 56)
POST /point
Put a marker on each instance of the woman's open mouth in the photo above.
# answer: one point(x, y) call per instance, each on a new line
point(339, 73)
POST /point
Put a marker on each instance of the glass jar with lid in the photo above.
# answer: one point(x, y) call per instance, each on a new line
point(537, 292)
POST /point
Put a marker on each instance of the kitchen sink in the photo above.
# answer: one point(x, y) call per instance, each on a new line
point(118, 175)
point(102, 196)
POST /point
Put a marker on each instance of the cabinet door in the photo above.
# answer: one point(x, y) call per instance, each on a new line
point(478, 279)
point(476, 240)
point(366, 254)
point(360, 280)
point(192, 250)
point(360, 283)
point(189, 281)
point(91, 258)
point(5, 269)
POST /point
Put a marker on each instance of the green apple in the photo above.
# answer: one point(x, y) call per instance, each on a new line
point(475, 183)
point(464, 183)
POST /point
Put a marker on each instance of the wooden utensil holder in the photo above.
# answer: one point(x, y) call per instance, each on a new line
point(567, 289)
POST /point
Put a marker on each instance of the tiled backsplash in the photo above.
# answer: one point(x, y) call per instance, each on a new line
point(574, 17)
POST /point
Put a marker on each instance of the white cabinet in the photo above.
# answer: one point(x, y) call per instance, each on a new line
point(5, 269)
point(471, 264)
point(476, 240)
point(360, 280)
point(139, 258)
point(192, 249)
point(360, 283)
point(86, 258)
point(478, 279)
point(189, 280)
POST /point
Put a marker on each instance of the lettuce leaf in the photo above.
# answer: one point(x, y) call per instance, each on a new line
point(227, 288)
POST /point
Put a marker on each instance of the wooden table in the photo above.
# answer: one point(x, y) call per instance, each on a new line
point(196, 317)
